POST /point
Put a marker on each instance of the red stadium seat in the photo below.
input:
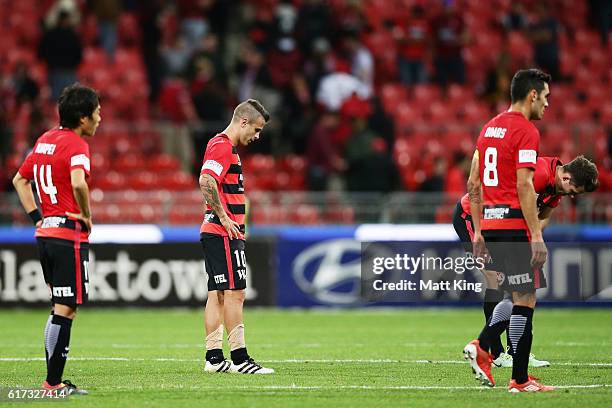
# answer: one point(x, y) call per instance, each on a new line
point(129, 162)
point(392, 95)
point(258, 163)
point(109, 181)
point(163, 163)
point(177, 182)
point(575, 112)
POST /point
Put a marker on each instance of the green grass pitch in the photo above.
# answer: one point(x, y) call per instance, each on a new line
point(405, 357)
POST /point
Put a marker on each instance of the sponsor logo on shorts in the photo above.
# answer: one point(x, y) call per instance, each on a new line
point(62, 291)
point(220, 279)
point(519, 279)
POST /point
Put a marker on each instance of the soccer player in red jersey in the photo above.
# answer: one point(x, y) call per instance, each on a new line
point(551, 180)
point(222, 237)
point(502, 193)
point(59, 165)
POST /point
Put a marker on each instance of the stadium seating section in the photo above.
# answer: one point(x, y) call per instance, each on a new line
point(134, 182)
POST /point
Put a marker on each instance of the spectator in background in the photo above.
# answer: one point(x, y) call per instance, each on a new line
point(319, 64)
point(60, 48)
point(284, 61)
point(324, 161)
point(338, 86)
point(369, 167)
point(107, 13)
point(209, 48)
point(412, 39)
point(297, 115)
point(26, 88)
point(361, 60)
point(177, 112)
point(600, 14)
point(6, 117)
point(194, 26)
point(254, 81)
point(148, 14)
point(497, 83)
point(450, 36)
point(544, 34)
point(176, 56)
point(211, 101)
point(435, 181)
point(515, 19)
point(314, 21)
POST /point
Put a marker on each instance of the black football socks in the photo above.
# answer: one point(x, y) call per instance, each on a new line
point(214, 356)
point(491, 299)
point(239, 355)
point(520, 333)
point(57, 340)
point(47, 328)
point(498, 322)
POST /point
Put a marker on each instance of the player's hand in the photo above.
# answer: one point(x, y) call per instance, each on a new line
point(539, 253)
point(232, 228)
point(39, 223)
point(86, 220)
point(479, 248)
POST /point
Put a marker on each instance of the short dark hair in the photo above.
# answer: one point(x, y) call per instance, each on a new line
point(584, 173)
point(525, 80)
point(76, 102)
point(259, 108)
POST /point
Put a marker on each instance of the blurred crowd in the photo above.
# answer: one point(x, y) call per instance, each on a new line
point(318, 66)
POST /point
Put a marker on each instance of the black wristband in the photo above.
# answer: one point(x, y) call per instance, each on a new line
point(35, 216)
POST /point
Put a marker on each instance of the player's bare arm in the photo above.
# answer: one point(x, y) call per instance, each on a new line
point(475, 194)
point(80, 189)
point(544, 216)
point(208, 185)
point(26, 196)
point(528, 200)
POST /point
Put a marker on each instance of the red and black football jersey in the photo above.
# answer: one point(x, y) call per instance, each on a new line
point(56, 153)
point(222, 162)
point(506, 143)
point(543, 182)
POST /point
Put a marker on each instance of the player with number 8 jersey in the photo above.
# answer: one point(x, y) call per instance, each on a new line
point(59, 165)
point(503, 202)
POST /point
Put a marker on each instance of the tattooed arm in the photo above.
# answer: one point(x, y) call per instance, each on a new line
point(208, 186)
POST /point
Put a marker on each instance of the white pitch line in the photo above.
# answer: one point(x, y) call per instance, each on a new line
point(289, 361)
point(349, 387)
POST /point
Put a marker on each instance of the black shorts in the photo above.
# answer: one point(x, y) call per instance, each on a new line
point(65, 267)
point(225, 262)
point(511, 251)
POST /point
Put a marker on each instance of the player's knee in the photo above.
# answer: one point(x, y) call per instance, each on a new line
point(527, 299)
point(236, 295)
point(220, 297)
point(67, 311)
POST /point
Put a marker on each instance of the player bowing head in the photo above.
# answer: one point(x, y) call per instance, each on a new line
point(250, 117)
point(577, 177)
